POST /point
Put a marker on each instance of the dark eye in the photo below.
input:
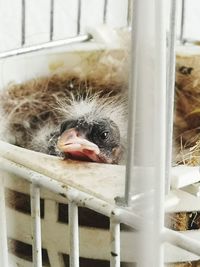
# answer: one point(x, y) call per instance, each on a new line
point(104, 135)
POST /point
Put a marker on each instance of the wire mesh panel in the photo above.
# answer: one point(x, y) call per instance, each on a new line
point(34, 22)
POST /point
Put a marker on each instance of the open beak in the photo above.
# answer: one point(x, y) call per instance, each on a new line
point(75, 145)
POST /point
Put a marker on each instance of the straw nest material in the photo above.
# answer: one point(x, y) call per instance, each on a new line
point(31, 104)
point(187, 110)
point(34, 103)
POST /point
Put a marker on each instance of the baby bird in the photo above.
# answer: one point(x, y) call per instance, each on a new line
point(82, 118)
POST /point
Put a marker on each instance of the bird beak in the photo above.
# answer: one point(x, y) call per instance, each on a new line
point(74, 144)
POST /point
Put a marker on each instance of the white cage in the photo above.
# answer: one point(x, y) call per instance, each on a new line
point(50, 187)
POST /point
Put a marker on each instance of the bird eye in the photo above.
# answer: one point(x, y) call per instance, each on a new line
point(104, 135)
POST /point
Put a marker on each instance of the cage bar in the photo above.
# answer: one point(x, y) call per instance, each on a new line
point(160, 129)
point(23, 24)
point(129, 13)
point(3, 228)
point(74, 234)
point(36, 225)
point(114, 243)
point(170, 91)
point(48, 45)
point(105, 11)
point(79, 17)
point(182, 40)
point(132, 106)
point(181, 241)
point(51, 31)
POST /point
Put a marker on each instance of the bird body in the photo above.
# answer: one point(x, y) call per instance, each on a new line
point(67, 115)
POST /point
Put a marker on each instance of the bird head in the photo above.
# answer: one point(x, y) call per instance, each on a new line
point(93, 129)
point(97, 140)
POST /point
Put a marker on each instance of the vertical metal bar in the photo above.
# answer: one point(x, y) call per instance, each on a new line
point(182, 22)
point(79, 17)
point(132, 107)
point(23, 21)
point(36, 225)
point(147, 122)
point(3, 228)
point(105, 9)
point(74, 234)
point(51, 20)
point(114, 243)
point(129, 12)
point(160, 134)
point(170, 91)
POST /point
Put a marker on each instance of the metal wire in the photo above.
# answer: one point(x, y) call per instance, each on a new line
point(3, 228)
point(114, 243)
point(132, 108)
point(23, 24)
point(36, 225)
point(182, 22)
point(160, 133)
point(79, 17)
point(48, 45)
point(74, 234)
point(51, 33)
point(130, 2)
point(105, 9)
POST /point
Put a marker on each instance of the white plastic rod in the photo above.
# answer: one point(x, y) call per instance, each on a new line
point(182, 40)
point(133, 87)
point(79, 17)
point(170, 92)
point(36, 225)
point(105, 11)
point(43, 46)
point(147, 123)
point(51, 28)
point(180, 240)
point(23, 20)
point(160, 130)
point(114, 243)
point(74, 235)
point(3, 228)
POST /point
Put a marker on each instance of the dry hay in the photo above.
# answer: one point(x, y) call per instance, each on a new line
point(187, 110)
point(34, 103)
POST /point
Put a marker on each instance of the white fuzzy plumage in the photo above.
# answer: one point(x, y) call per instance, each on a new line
point(94, 107)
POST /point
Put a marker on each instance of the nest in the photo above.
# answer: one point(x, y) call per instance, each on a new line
point(34, 103)
point(187, 110)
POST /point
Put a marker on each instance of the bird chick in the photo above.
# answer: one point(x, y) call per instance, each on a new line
point(77, 122)
point(89, 130)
